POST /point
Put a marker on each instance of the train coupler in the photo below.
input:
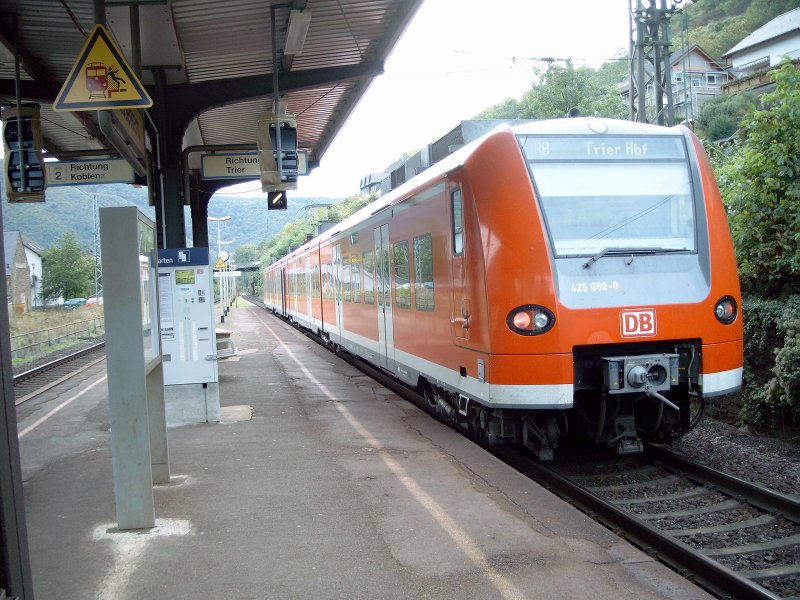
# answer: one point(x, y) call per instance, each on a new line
point(625, 440)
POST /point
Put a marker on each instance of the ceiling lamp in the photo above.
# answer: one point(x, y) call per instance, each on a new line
point(299, 21)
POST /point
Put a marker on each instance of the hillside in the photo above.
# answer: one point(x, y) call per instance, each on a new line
point(69, 208)
point(718, 25)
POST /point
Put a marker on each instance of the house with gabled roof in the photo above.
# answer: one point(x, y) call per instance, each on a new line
point(696, 77)
point(764, 49)
point(18, 273)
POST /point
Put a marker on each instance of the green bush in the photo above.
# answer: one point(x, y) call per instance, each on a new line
point(771, 393)
point(760, 185)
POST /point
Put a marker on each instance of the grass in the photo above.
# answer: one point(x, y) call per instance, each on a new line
point(36, 321)
point(47, 319)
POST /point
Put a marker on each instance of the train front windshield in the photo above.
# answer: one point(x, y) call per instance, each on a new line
point(613, 193)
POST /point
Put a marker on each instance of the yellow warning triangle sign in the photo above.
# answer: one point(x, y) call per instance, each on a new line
point(101, 79)
point(220, 264)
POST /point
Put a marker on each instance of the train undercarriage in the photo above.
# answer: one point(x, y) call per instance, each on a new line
point(620, 401)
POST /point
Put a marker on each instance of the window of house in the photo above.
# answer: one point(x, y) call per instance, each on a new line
point(695, 82)
point(711, 79)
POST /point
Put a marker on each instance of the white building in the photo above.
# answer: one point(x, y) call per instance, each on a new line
point(763, 50)
point(696, 78)
point(33, 254)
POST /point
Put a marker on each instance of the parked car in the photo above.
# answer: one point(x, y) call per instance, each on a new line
point(73, 303)
point(96, 299)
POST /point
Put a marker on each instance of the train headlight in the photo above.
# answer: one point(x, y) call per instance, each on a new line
point(726, 310)
point(530, 320)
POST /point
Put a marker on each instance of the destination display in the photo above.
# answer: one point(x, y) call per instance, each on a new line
point(538, 147)
point(77, 172)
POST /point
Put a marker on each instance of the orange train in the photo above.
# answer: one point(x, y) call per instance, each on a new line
point(571, 276)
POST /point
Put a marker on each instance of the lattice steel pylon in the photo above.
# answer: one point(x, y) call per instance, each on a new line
point(650, 74)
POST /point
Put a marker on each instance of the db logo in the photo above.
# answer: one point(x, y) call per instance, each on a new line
point(640, 322)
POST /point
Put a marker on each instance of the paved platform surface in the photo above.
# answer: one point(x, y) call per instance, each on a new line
point(318, 484)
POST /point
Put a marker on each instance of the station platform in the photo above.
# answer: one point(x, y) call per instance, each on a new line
point(319, 484)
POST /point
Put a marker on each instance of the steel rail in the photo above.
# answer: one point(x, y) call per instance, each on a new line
point(705, 572)
point(24, 376)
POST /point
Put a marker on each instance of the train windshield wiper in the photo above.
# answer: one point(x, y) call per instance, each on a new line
point(631, 251)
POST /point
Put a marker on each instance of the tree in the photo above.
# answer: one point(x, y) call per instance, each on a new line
point(761, 189)
point(721, 116)
point(718, 25)
point(246, 255)
point(561, 89)
point(67, 271)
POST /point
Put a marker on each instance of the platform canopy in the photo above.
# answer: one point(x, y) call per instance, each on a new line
point(211, 59)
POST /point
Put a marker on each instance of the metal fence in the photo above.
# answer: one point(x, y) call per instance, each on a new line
point(35, 343)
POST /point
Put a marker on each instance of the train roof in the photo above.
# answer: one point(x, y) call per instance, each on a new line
point(566, 126)
point(592, 125)
point(402, 193)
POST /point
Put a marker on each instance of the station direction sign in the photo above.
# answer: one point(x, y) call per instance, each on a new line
point(80, 172)
point(240, 165)
point(101, 79)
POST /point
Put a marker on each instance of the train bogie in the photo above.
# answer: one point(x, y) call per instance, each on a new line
point(565, 276)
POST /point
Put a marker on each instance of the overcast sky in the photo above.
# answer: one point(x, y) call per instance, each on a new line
point(456, 58)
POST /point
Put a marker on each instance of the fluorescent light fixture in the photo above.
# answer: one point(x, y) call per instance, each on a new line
point(299, 21)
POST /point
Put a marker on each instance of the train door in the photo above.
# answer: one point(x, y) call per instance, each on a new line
point(337, 293)
point(282, 291)
point(383, 291)
point(308, 287)
point(293, 287)
point(458, 268)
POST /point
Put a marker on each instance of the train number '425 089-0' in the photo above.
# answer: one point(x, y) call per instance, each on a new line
point(594, 286)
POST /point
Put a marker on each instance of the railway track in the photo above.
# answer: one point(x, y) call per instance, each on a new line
point(33, 382)
point(734, 538)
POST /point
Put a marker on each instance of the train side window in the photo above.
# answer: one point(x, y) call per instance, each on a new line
point(423, 272)
point(400, 275)
point(315, 282)
point(355, 268)
point(327, 282)
point(369, 277)
point(346, 294)
point(302, 286)
point(458, 222)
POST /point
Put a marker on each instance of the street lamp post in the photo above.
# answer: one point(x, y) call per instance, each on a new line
point(219, 251)
point(225, 279)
